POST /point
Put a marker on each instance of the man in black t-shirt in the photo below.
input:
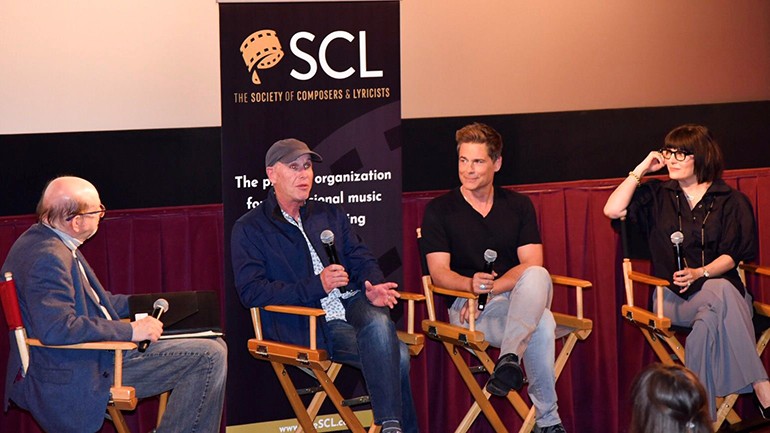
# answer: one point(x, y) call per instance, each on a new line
point(457, 229)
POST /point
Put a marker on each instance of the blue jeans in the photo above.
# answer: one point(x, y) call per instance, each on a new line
point(194, 369)
point(368, 341)
point(521, 322)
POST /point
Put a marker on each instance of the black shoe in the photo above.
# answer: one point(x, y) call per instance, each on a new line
point(558, 428)
point(507, 376)
point(764, 411)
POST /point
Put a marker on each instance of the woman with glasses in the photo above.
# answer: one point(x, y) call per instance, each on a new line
point(699, 229)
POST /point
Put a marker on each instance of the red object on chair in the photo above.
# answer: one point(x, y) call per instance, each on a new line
point(10, 303)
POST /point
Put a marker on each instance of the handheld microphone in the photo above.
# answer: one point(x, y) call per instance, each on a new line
point(677, 238)
point(489, 257)
point(327, 238)
point(159, 307)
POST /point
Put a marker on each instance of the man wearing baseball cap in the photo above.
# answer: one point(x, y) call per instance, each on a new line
point(275, 255)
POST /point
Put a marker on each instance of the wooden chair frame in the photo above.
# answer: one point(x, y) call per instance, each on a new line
point(568, 327)
point(122, 397)
point(658, 331)
point(316, 362)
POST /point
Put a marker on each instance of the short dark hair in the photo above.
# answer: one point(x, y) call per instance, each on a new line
point(698, 140)
point(669, 398)
point(481, 133)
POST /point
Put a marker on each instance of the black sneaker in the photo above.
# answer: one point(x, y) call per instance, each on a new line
point(764, 411)
point(558, 428)
point(507, 376)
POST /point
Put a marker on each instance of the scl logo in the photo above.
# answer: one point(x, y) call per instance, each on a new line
point(263, 50)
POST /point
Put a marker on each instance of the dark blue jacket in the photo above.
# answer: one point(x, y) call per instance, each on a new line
point(272, 263)
point(65, 390)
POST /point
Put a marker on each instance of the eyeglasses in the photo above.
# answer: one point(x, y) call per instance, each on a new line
point(679, 155)
point(102, 210)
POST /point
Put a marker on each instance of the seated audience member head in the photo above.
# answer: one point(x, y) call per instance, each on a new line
point(695, 140)
point(669, 398)
point(72, 205)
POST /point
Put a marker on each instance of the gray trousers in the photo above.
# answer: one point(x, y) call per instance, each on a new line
point(521, 322)
point(721, 348)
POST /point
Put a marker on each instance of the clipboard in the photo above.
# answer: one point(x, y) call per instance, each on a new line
point(190, 314)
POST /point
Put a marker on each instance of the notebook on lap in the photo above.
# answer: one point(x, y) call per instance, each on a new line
point(190, 314)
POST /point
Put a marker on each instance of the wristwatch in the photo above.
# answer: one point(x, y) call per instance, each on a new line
point(706, 272)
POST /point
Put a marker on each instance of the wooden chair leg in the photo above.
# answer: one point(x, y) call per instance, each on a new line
point(725, 411)
point(657, 347)
point(303, 418)
point(725, 406)
point(481, 397)
point(162, 403)
point(318, 399)
point(118, 419)
point(353, 424)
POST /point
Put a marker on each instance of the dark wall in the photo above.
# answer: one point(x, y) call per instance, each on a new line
point(176, 167)
point(597, 144)
point(131, 169)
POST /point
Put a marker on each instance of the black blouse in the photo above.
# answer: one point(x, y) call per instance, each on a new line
point(721, 223)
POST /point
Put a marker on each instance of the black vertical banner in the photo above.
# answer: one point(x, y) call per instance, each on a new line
point(326, 73)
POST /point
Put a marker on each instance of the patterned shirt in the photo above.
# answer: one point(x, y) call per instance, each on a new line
point(331, 304)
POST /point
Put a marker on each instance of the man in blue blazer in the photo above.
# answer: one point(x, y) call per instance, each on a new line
point(62, 302)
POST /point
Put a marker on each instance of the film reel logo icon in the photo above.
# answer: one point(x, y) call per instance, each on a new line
point(263, 50)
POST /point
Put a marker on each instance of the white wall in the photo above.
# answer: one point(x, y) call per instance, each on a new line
point(81, 65)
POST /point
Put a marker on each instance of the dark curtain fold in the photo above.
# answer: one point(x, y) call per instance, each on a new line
point(175, 249)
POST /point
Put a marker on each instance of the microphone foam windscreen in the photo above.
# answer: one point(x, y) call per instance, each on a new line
point(677, 237)
point(327, 237)
point(490, 255)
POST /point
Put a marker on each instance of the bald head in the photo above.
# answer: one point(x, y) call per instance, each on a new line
point(66, 196)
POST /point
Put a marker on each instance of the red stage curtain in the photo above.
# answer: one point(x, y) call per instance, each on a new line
point(175, 249)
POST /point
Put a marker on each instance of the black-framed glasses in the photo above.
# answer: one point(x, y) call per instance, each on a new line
point(102, 210)
point(679, 155)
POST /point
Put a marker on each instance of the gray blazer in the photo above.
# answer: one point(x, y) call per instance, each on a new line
point(65, 390)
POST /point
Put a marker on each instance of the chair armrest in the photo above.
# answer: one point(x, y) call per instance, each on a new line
point(409, 296)
point(311, 313)
point(762, 309)
point(756, 269)
point(455, 293)
point(93, 345)
point(569, 281)
point(294, 309)
point(124, 397)
point(408, 337)
point(471, 297)
point(633, 276)
point(647, 279)
point(578, 285)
